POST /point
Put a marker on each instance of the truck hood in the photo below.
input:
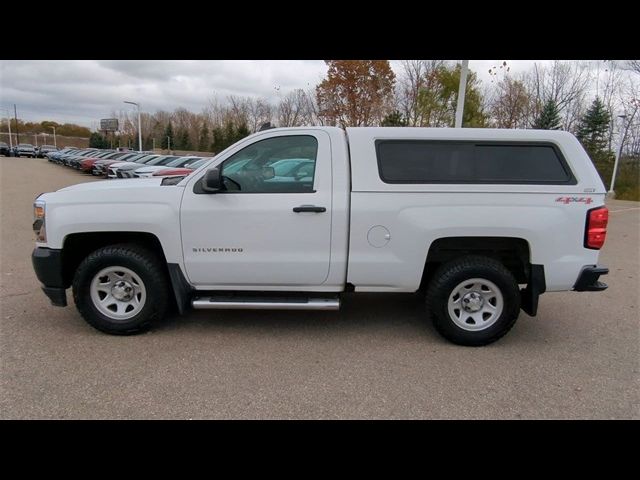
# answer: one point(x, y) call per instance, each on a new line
point(113, 184)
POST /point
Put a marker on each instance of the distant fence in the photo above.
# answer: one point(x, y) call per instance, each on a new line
point(61, 140)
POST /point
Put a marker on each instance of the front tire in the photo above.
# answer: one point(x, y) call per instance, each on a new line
point(473, 300)
point(121, 289)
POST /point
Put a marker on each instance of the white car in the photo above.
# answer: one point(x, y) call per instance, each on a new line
point(112, 169)
point(148, 171)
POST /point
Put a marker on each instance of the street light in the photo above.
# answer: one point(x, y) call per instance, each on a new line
point(139, 128)
point(9, 124)
point(618, 154)
point(462, 88)
point(55, 142)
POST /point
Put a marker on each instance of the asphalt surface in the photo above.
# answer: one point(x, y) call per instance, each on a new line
point(376, 358)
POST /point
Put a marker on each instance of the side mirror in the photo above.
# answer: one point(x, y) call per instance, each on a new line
point(212, 181)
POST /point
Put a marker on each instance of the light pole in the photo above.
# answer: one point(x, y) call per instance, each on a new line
point(462, 88)
point(55, 142)
point(139, 128)
point(618, 154)
point(9, 125)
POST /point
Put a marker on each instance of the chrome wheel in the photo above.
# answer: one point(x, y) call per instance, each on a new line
point(475, 304)
point(118, 293)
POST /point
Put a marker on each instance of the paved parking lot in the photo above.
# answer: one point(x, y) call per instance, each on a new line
point(376, 358)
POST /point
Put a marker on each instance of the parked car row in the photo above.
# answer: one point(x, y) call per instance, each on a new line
point(118, 164)
point(26, 150)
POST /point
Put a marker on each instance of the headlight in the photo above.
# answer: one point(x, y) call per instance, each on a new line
point(38, 221)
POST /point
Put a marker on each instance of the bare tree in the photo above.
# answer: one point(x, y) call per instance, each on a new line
point(564, 83)
point(633, 65)
point(293, 109)
point(238, 109)
point(259, 112)
point(630, 107)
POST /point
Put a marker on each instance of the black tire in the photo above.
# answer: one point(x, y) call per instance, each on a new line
point(146, 265)
point(449, 276)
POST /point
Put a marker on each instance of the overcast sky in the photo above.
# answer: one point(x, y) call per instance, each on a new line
point(84, 91)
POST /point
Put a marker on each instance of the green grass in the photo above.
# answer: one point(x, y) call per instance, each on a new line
point(627, 185)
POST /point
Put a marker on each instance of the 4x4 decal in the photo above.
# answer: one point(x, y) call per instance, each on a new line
point(567, 200)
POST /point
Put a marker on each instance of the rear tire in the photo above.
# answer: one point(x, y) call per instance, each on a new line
point(473, 300)
point(121, 289)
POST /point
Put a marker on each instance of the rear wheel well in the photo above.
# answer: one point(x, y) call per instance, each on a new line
point(513, 253)
point(78, 246)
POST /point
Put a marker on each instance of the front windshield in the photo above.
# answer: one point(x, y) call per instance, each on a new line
point(161, 161)
point(146, 158)
point(195, 163)
point(181, 161)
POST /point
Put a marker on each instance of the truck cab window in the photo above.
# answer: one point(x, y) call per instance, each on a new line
point(283, 164)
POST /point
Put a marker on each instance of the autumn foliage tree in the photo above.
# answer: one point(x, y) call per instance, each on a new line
point(355, 92)
point(511, 104)
point(438, 98)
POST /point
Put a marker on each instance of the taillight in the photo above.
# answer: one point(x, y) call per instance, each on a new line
point(596, 229)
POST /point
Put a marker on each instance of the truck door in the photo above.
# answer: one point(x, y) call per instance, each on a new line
point(271, 225)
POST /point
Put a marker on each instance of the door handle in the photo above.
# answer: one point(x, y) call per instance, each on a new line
point(309, 208)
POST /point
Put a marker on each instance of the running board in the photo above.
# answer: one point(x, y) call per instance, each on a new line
point(265, 303)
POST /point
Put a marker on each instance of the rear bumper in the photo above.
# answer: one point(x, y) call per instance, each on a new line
point(47, 263)
point(588, 279)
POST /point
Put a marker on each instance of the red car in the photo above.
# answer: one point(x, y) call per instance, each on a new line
point(180, 171)
point(87, 164)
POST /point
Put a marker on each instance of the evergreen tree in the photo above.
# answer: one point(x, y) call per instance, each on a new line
point(594, 129)
point(241, 132)
point(218, 140)
point(229, 134)
point(394, 119)
point(97, 140)
point(549, 118)
point(203, 141)
point(183, 140)
point(168, 133)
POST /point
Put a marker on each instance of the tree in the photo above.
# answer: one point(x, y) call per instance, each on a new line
point(437, 104)
point(510, 104)
point(355, 92)
point(203, 140)
point(294, 110)
point(634, 66)
point(394, 119)
point(416, 76)
point(549, 118)
point(182, 140)
point(97, 140)
point(241, 132)
point(168, 137)
point(565, 83)
point(218, 143)
point(594, 129)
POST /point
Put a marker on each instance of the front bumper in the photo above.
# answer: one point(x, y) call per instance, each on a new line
point(47, 263)
point(588, 279)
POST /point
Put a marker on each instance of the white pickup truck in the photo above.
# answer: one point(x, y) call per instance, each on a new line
point(482, 221)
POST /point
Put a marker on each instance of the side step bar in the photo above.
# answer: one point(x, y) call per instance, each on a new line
point(265, 303)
